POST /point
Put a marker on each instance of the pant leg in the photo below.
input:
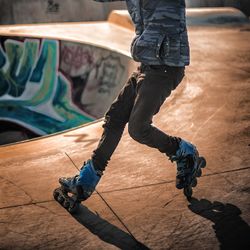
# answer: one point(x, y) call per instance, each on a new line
point(115, 121)
point(154, 86)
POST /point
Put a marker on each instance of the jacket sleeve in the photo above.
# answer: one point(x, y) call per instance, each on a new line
point(105, 1)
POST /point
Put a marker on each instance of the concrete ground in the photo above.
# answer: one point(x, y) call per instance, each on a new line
point(210, 108)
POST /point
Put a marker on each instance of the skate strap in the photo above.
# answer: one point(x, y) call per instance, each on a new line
point(184, 172)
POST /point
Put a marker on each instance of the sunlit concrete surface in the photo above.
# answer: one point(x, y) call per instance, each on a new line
point(195, 16)
point(102, 34)
point(210, 108)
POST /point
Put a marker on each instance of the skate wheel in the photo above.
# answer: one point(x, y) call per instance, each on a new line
point(66, 204)
point(203, 162)
point(55, 194)
point(73, 208)
point(188, 192)
point(60, 199)
point(199, 173)
point(194, 182)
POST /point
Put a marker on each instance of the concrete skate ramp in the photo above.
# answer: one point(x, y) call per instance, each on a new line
point(243, 5)
point(195, 16)
point(215, 16)
point(210, 108)
point(55, 77)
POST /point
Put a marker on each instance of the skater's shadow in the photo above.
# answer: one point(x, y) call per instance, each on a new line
point(230, 229)
point(105, 230)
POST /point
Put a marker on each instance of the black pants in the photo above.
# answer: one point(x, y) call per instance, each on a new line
point(137, 103)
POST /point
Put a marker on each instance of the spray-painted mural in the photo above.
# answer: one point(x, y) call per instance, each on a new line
point(48, 86)
point(97, 76)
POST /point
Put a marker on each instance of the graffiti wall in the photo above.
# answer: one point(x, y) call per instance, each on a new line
point(49, 86)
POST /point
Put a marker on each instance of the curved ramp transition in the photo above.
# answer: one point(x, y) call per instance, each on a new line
point(210, 108)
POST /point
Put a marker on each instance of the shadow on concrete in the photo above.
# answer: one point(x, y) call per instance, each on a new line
point(106, 231)
point(82, 138)
point(230, 229)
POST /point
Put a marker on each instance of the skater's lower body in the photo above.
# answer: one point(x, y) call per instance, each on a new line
point(137, 103)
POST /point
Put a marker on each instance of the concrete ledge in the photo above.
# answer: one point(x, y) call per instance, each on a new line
point(195, 16)
point(214, 16)
point(121, 18)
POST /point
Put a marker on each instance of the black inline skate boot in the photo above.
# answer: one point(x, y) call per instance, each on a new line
point(189, 165)
point(78, 188)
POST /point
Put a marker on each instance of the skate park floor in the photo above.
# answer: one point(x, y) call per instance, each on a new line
point(210, 108)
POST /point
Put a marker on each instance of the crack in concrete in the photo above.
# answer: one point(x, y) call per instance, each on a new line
point(245, 189)
point(170, 201)
point(228, 181)
point(20, 233)
point(18, 187)
point(52, 212)
point(226, 171)
point(7, 222)
point(175, 229)
point(26, 204)
point(171, 181)
point(129, 188)
point(149, 232)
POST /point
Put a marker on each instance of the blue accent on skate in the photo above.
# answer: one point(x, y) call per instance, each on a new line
point(186, 158)
point(88, 176)
point(185, 149)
